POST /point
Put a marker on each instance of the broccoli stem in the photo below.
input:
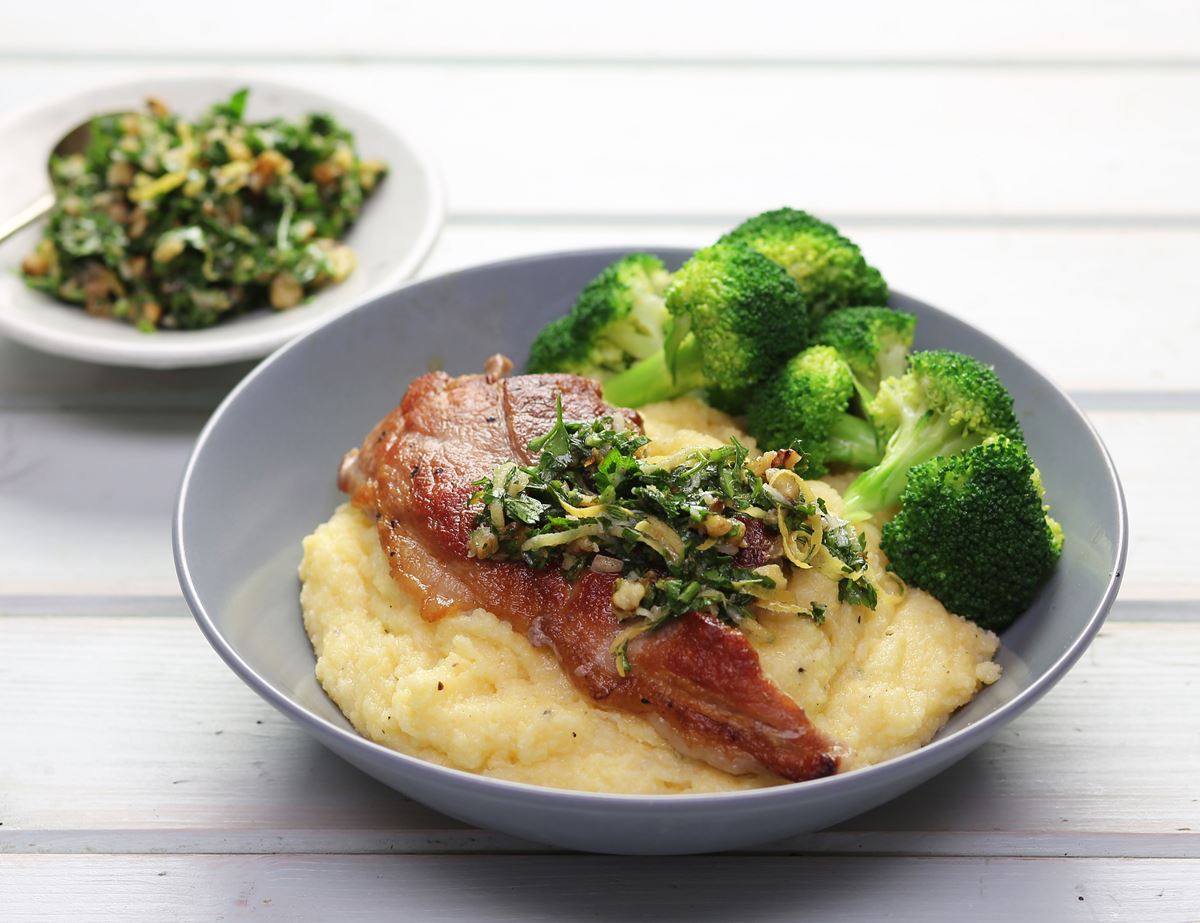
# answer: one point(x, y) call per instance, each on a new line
point(852, 442)
point(892, 362)
point(651, 380)
point(916, 441)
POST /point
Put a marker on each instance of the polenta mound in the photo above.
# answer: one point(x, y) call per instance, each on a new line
point(466, 691)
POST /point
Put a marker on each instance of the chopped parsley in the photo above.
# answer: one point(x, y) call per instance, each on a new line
point(673, 529)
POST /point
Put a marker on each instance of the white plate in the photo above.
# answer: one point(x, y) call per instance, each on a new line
point(399, 225)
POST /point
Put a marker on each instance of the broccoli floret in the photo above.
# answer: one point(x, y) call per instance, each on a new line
point(735, 318)
point(618, 319)
point(973, 531)
point(829, 269)
point(554, 346)
point(875, 342)
point(808, 400)
point(945, 403)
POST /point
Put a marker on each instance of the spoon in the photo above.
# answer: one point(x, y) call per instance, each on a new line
point(73, 142)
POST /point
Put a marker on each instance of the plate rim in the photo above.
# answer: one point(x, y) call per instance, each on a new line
point(922, 757)
point(132, 353)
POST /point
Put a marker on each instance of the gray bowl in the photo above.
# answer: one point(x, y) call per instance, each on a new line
point(262, 477)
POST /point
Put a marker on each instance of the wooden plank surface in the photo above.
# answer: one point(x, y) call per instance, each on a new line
point(576, 888)
point(118, 540)
point(1036, 289)
point(1036, 144)
point(925, 30)
point(127, 734)
point(1029, 166)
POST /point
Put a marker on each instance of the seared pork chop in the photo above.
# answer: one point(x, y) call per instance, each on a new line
point(697, 679)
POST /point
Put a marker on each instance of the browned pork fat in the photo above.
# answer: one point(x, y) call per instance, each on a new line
point(697, 679)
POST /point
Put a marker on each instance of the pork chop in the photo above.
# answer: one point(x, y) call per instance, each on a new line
point(697, 679)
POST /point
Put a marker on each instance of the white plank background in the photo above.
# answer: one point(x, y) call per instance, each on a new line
point(555, 140)
point(1029, 165)
point(1157, 32)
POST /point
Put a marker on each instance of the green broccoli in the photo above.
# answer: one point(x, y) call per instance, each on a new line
point(617, 319)
point(807, 400)
point(553, 347)
point(874, 341)
point(829, 269)
point(735, 318)
point(973, 531)
point(945, 403)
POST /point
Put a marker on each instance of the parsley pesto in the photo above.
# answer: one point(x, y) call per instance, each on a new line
point(166, 222)
point(702, 530)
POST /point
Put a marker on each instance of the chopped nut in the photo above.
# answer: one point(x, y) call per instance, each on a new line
point(325, 173)
point(35, 265)
point(119, 173)
point(42, 262)
point(760, 465)
point(627, 594)
point(156, 106)
point(716, 526)
point(341, 262)
point(133, 268)
point(138, 222)
point(286, 291)
point(735, 538)
point(152, 312)
point(267, 166)
point(99, 283)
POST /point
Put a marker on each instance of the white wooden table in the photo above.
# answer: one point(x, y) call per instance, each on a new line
point(1032, 166)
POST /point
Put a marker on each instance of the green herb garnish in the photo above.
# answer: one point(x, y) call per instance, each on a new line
point(165, 222)
point(672, 529)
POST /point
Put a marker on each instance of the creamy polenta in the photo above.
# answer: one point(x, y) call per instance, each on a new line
point(466, 691)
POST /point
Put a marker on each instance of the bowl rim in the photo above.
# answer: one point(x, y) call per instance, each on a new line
point(146, 353)
point(927, 754)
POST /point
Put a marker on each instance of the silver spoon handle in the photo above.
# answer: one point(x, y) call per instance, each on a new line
point(29, 213)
